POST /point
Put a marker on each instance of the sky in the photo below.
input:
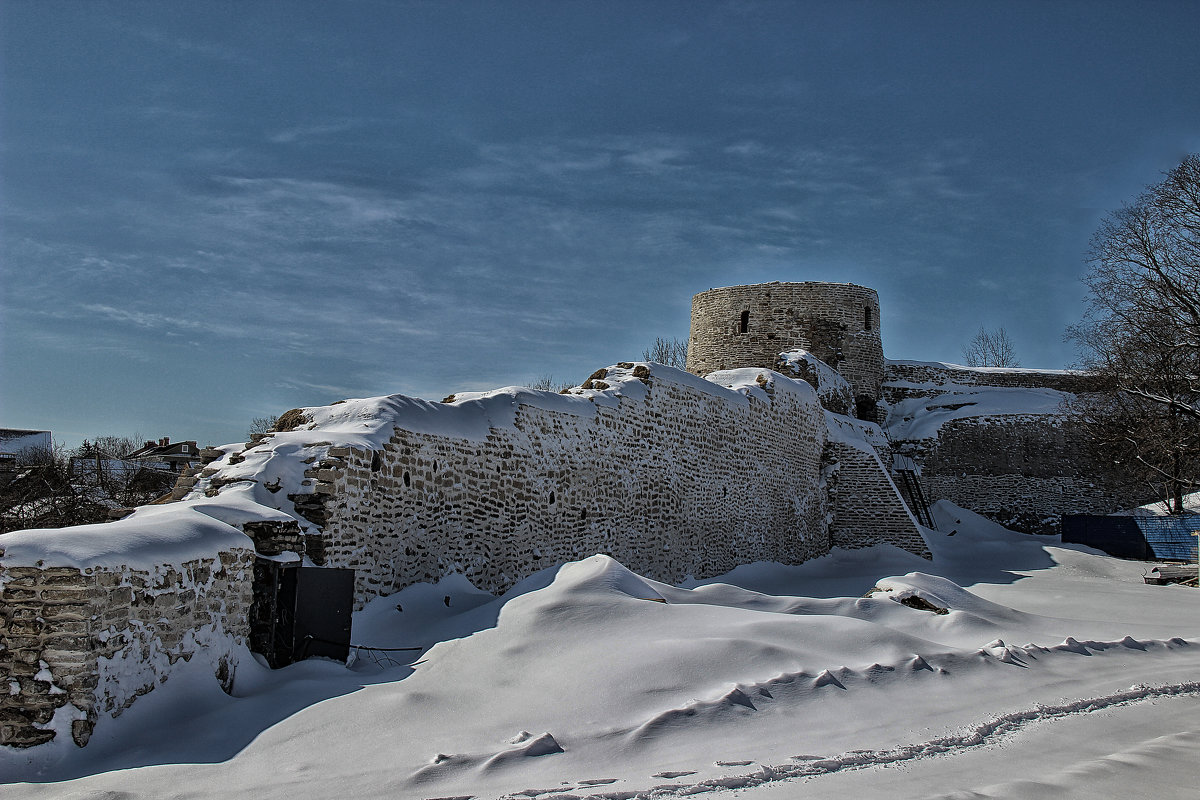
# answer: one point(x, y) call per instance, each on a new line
point(211, 212)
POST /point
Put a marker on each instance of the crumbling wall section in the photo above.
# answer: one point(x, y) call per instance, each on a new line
point(1023, 470)
point(77, 644)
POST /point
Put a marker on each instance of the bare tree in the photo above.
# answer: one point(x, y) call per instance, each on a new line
point(54, 488)
point(1144, 284)
point(262, 425)
point(41, 494)
point(548, 383)
point(1141, 334)
point(672, 352)
point(108, 446)
point(1144, 449)
point(990, 349)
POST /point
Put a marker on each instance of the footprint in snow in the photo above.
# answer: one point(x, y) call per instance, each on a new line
point(670, 775)
point(734, 763)
point(600, 781)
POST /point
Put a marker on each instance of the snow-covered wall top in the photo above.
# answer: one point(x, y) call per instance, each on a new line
point(269, 471)
point(835, 391)
point(923, 396)
point(931, 376)
point(922, 417)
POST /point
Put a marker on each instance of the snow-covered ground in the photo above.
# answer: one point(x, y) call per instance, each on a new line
point(1054, 672)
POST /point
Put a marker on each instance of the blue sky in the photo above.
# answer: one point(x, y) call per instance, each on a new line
point(216, 211)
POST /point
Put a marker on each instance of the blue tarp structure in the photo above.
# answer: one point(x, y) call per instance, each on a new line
point(1157, 538)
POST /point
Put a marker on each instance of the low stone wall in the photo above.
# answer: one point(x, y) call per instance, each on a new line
point(1032, 505)
point(78, 644)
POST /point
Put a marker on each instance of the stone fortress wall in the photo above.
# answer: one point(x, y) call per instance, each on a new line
point(1025, 469)
point(749, 326)
point(672, 476)
point(905, 379)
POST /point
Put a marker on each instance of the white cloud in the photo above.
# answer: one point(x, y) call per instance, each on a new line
point(295, 134)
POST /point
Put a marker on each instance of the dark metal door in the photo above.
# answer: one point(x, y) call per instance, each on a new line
point(324, 603)
point(300, 612)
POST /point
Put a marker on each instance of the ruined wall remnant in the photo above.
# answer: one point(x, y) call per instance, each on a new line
point(749, 326)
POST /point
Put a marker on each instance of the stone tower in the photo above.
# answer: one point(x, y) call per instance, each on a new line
point(749, 326)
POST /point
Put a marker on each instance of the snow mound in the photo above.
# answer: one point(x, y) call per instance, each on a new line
point(589, 680)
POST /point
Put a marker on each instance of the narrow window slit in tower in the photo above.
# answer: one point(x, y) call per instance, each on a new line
point(744, 326)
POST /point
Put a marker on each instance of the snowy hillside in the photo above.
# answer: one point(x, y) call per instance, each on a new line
point(587, 680)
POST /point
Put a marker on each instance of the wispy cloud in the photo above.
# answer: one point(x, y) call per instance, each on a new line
point(140, 319)
point(210, 50)
point(313, 131)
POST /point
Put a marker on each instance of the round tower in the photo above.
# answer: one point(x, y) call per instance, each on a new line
point(749, 326)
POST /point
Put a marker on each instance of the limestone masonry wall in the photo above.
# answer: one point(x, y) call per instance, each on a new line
point(78, 644)
point(1022, 469)
point(672, 480)
point(674, 484)
point(749, 326)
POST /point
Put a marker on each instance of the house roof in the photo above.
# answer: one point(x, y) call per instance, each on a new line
point(171, 450)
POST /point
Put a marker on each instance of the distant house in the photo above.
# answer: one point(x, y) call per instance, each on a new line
point(164, 455)
point(17, 443)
